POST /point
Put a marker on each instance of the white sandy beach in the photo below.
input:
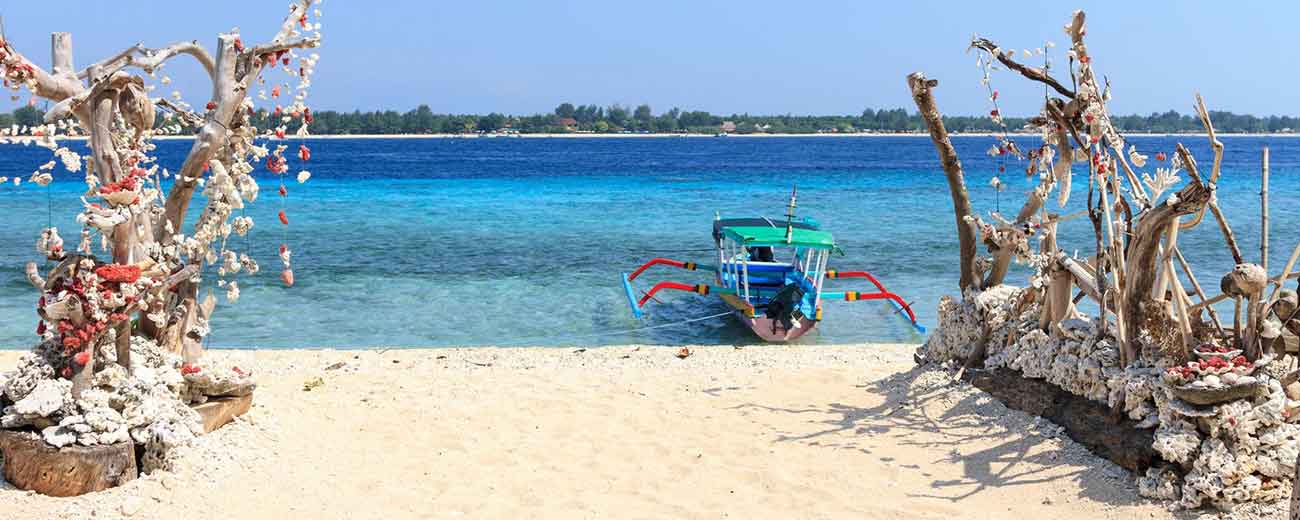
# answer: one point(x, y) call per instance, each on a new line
point(616, 432)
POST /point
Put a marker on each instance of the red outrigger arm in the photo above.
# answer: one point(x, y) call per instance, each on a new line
point(883, 293)
point(698, 289)
point(689, 266)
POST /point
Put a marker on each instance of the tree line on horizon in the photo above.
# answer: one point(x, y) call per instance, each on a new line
point(570, 118)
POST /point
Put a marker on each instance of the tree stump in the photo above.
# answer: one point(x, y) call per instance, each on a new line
point(31, 464)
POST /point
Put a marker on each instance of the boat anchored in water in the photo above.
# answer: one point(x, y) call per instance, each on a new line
point(771, 273)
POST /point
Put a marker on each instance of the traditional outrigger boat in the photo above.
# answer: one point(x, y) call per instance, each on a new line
point(771, 273)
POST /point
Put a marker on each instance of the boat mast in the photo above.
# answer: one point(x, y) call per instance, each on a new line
point(789, 215)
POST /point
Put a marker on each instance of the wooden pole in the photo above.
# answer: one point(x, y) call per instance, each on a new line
point(1263, 206)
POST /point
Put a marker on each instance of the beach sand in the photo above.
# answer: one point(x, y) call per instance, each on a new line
point(616, 432)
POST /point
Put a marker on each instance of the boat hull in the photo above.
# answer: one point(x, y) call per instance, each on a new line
point(763, 328)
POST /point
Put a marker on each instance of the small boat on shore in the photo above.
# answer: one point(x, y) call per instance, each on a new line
point(771, 273)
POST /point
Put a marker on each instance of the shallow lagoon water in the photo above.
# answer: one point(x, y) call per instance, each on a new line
point(463, 242)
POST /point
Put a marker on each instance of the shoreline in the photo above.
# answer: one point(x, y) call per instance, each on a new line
point(683, 136)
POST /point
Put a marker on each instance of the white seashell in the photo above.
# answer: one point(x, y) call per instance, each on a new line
point(1229, 379)
point(1212, 380)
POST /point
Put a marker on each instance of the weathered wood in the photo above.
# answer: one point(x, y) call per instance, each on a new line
point(219, 411)
point(1082, 277)
point(31, 464)
point(1196, 285)
point(1003, 255)
point(923, 95)
point(1263, 214)
point(1141, 268)
point(1033, 73)
point(1295, 492)
point(1087, 422)
point(1217, 146)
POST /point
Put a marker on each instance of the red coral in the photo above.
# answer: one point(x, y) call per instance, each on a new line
point(277, 164)
point(82, 357)
point(121, 273)
point(188, 369)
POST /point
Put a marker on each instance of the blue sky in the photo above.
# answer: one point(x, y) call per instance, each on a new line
point(757, 56)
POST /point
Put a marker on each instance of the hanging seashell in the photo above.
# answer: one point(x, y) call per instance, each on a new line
point(120, 198)
point(286, 276)
point(283, 218)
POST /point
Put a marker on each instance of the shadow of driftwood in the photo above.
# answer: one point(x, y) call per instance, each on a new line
point(940, 417)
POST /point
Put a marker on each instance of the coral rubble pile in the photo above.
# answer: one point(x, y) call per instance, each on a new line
point(1223, 425)
point(149, 406)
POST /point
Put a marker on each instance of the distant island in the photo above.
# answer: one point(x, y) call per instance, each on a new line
point(618, 119)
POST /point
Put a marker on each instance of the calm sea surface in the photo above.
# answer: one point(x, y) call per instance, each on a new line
point(463, 242)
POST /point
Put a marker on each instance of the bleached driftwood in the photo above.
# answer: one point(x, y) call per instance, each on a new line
point(923, 95)
point(102, 96)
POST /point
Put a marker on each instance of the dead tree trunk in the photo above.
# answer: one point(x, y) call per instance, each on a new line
point(1143, 252)
point(922, 94)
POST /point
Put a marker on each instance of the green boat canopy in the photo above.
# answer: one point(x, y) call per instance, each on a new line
point(775, 236)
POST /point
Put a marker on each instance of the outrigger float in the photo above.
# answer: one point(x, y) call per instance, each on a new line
point(772, 274)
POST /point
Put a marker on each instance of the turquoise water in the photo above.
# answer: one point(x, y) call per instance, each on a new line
point(461, 242)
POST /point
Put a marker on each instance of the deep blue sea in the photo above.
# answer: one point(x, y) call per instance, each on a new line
point(465, 242)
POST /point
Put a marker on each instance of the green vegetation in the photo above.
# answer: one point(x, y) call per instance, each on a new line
point(568, 117)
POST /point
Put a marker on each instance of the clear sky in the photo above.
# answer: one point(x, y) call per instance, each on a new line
point(756, 56)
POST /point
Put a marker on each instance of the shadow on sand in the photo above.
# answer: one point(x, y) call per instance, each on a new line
point(923, 408)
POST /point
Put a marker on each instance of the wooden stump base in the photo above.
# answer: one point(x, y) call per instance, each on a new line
point(1086, 421)
point(219, 411)
point(31, 464)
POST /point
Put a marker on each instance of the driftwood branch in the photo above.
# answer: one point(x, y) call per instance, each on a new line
point(1033, 73)
point(923, 95)
point(58, 84)
point(1200, 293)
point(272, 48)
point(1190, 163)
point(1217, 146)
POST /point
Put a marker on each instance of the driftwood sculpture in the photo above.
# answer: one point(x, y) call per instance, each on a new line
point(1157, 351)
point(121, 323)
point(150, 265)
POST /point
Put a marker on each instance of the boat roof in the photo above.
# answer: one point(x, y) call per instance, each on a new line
point(721, 223)
point(775, 236)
